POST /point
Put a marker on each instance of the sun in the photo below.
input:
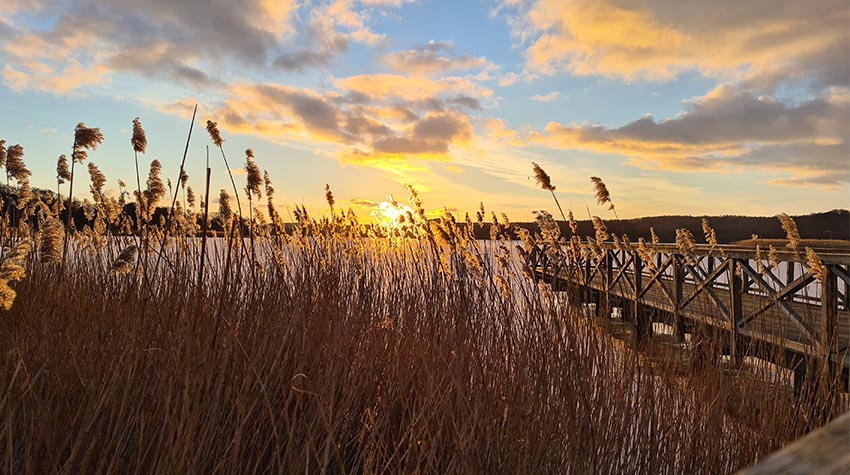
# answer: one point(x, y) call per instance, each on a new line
point(391, 213)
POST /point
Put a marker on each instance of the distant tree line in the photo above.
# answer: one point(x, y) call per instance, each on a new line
point(833, 225)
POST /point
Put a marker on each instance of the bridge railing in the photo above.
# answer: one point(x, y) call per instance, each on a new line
point(803, 304)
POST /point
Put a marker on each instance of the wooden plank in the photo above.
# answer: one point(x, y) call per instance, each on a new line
point(823, 451)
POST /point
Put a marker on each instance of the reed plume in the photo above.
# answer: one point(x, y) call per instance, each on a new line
point(62, 172)
point(139, 140)
point(125, 260)
point(602, 194)
point(545, 182)
point(815, 264)
point(24, 194)
point(2, 153)
point(215, 135)
point(254, 178)
point(190, 196)
point(14, 266)
point(710, 235)
point(15, 166)
point(791, 232)
point(267, 182)
point(155, 189)
point(646, 253)
point(495, 229)
point(685, 242)
point(98, 181)
point(50, 246)
point(543, 179)
point(601, 230)
point(573, 223)
point(85, 138)
point(549, 229)
point(773, 257)
point(225, 212)
point(273, 215)
point(7, 295)
point(329, 197)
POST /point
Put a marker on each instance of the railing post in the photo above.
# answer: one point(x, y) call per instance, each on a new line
point(789, 272)
point(642, 327)
point(678, 284)
point(736, 307)
point(829, 340)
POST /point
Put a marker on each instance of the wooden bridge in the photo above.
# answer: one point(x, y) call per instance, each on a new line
point(783, 313)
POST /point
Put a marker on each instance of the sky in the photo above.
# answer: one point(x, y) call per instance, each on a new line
point(681, 107)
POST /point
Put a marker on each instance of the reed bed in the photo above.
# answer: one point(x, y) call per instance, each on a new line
point(338, 348)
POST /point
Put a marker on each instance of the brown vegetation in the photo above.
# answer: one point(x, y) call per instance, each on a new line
point(339, 348)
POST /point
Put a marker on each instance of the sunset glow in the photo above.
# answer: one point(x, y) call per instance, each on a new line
point(743, 108)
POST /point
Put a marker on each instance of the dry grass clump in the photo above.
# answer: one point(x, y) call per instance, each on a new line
point(336, 347)
point(347, 356)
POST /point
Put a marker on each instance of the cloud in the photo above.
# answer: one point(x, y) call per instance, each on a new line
point(432, 135)
point(761, 40)
point(195, 43)
point(364, 203)
point(550, 97)
point(325, 44)
point(410, 88)
point(376, 121)
point(70, 77)
point(434, 57)
point(728, 128)
point(386, 3)
point(508, 79)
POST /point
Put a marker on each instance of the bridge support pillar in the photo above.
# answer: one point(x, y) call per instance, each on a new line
point(830, 373)
point(736, 311)
point(643, 326)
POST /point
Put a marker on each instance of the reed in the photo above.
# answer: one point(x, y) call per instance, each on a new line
point(347, 348)
point(544, 181)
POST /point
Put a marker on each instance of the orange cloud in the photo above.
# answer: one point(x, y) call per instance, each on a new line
point(41, 77)
point(431, 58)
point(725, 129)
point(658, 39)
point(409, 88)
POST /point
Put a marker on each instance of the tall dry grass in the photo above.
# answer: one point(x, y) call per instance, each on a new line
point(346, 349)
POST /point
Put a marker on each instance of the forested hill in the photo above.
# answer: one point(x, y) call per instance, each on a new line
point(833, 224)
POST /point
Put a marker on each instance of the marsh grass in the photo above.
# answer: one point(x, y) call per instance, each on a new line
point(340, 348)
point(349, 357)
